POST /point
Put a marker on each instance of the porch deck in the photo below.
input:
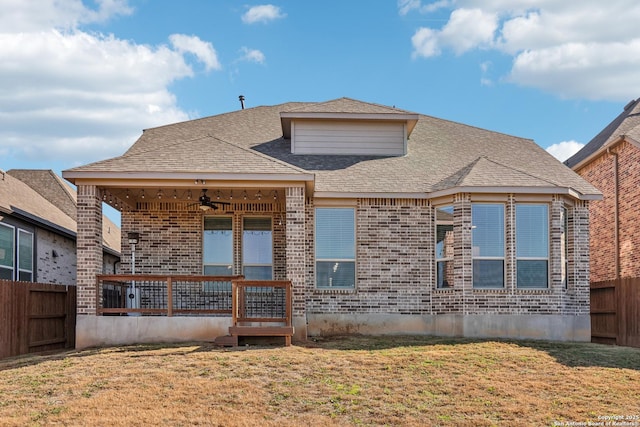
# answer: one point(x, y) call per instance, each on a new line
point(258, 308)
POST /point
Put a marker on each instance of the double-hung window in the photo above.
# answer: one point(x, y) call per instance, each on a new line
point(6, 251)
point(257, 248)
point(532, 245)
point(217, 251)
point(444, 247)
point(488, 236)
point(25, 256)
point(335, 248)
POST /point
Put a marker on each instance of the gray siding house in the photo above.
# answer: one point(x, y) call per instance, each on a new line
point(384, 221)
point(38, 229)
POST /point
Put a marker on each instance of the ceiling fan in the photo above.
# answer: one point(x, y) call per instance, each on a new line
point(205, 202)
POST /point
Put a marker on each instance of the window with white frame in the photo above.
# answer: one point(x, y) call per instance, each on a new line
point(217, 251)
point(532, 245)
point(6, 251)
point(257, 248)
point(444, 247)
point(25, 256)
point(335, 248)
point(488, 236)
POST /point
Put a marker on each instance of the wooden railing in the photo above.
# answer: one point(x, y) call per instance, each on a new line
point(166, 295)
point(163, 295)
point(263, 301)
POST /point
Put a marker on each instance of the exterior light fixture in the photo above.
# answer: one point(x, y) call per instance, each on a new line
point(133, 237)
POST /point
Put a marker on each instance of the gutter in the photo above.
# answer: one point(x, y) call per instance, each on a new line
point(616, 210)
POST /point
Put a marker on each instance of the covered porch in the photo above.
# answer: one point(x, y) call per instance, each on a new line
point(201, 259)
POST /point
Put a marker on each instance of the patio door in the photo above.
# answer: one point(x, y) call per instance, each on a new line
point(257, 248)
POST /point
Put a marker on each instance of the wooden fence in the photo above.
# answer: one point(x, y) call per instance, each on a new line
point(615, 312)
point(36, 317)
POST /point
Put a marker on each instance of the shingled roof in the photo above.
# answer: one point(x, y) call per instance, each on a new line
point(44, 197)
point(626, 125)
point(441, 155)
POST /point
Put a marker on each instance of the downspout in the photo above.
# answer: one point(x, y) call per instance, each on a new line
point(616, 205)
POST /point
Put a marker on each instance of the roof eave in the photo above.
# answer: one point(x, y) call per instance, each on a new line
point(609, 145)
point(456, 190)
point(180, 178)
point(516, 190)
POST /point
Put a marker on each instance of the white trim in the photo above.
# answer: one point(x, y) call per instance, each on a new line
point(181, 178)
point(315, 249)
point(12, 268)
point(17, 246)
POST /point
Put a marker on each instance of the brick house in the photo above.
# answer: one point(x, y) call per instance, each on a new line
point(385, 222)
point(611, 162)
point(38, 229)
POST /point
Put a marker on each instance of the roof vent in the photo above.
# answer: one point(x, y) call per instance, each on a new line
point(2, 174)
point(626, 107)
point(241, 98)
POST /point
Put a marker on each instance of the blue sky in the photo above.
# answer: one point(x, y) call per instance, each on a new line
point(79, 80)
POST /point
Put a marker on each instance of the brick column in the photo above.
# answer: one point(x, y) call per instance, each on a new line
point(89, 247)
point(295, 252)
point(462, 249)
point(581, 257)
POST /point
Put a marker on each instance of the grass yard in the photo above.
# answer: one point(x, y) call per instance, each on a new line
point(337, 381)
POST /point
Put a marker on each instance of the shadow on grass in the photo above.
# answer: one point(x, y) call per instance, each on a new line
point(567, 353)
point(571, 354)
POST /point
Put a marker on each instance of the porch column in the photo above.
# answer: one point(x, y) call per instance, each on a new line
point(296, 263)
point(89, 248)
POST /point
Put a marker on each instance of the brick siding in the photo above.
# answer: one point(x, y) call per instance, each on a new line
point(395, 249)
point(601, 174)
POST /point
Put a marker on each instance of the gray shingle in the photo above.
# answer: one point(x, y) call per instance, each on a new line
point(626, 124)
point(437, 150)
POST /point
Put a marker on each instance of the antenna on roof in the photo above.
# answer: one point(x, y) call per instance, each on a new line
point(241, 98)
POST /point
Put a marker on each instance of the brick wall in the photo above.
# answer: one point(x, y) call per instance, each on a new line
point(395, 256)
point(55, 269)
point(396, 268)
point(171, 237)
point(601, 173)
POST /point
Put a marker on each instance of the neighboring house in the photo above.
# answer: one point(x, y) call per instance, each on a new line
point(38, 229)
point(384, 220)
point(611, 162)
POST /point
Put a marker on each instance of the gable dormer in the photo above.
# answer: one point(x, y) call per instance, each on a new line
point(348, 127)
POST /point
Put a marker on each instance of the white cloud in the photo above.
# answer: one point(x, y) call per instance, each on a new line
point(78, 97)
point(565, 149)
point(570, 48)
point(262, 13)
point(25, 16)
point(204, 51)
point(252, 55)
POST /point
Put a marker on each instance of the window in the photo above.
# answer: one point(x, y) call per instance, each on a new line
point(6, 251)
point(444, 247)
point(25, 256)
point(257, 248)
point(217, 252)
point(335, 248)
point(532, 245)
point(487, 226)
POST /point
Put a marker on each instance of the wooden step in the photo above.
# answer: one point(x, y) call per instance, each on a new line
point(226, 341)
point(263, 331)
